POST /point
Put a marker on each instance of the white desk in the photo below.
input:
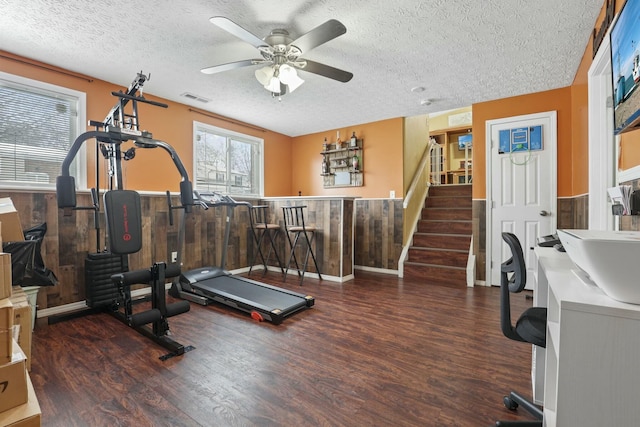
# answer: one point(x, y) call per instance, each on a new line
point(592, 359)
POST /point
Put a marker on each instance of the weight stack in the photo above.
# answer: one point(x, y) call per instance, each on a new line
point(100, 290)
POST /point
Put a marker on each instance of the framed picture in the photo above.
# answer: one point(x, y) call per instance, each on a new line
point(464, 141)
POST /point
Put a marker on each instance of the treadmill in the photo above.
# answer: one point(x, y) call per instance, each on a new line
point(207, 284)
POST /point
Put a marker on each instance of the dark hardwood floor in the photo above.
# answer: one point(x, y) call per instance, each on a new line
point(376, 351)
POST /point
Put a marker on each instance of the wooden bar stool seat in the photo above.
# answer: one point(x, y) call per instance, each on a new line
point(261, 228)
point(298, 232)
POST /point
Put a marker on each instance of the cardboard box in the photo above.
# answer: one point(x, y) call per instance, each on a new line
point(22, 317)
point(6, 313)
point(6, 332)
point(11, 227)
point(25, 415)
point(6, 346)
point(5, 275)
point(13, 380)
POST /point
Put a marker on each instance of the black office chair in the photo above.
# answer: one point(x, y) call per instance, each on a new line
point(295, 226)
point(261, 228)
point(531, 326)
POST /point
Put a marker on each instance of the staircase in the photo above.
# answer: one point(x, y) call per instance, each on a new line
point(441, 242)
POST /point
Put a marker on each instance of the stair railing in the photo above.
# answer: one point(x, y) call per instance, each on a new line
point(415, 198)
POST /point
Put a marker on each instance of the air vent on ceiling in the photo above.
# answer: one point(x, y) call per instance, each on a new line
point(193, 97)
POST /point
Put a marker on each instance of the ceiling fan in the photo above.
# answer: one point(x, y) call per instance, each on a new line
point(282, 55)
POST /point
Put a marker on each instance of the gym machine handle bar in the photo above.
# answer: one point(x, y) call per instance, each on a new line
point(65, 184)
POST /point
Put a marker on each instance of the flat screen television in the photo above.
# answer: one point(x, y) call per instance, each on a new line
point(625, 63)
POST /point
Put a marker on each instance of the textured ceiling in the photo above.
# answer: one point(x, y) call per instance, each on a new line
point(460, 51)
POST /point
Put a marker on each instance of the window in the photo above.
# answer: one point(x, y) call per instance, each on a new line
point(227, 162)
point(38, 124)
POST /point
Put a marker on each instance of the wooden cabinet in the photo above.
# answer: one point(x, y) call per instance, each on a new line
point(455, 162)
point(342, 166)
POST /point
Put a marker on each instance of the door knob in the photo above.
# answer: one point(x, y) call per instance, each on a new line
point(544, 213)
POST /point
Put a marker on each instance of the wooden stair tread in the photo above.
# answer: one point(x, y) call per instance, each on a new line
point(443, 267)
point(423, 248)
point(424, 233)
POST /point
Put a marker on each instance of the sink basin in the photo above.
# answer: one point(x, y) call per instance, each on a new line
point(610, 258)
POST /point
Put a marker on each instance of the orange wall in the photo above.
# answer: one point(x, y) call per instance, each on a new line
point(558, 100)
point(629, 150)
point(382, 160)
point(153, 170)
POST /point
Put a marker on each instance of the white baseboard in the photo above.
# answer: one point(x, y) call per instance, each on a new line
point(79, 305)
point(293, 272)
point(377, 270)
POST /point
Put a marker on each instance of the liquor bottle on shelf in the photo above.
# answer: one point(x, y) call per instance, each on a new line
point(338, 141)
point(325, 166)
point(355, 163)
point(325, 146)
point(354, 140)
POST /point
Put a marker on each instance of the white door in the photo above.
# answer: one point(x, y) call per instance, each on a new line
point(521, 187)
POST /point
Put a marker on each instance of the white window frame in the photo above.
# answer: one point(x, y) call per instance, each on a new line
point(229, 176)
point(79, 168)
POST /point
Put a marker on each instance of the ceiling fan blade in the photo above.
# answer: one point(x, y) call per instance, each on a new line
point(319, 35)
point(235, 29)
point(231, 66)
point(325, 71)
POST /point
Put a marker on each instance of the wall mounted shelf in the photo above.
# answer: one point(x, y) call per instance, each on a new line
point(338, 165)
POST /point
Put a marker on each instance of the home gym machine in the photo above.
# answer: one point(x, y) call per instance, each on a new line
point(107, 279)
point(207, 284)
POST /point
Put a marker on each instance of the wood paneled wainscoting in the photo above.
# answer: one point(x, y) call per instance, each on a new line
point(378, 234)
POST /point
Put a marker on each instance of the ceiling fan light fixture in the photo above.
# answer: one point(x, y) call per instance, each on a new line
point(264, 75)
point(289, 76)
point(273, 85)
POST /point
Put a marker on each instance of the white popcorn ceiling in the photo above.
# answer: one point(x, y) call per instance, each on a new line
point(460, 51)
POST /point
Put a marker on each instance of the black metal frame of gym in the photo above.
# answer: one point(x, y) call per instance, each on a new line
point(207, 284)
point(108, 281)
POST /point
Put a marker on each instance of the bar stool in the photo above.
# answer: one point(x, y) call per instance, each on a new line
point(295, 227)
point(260, 227)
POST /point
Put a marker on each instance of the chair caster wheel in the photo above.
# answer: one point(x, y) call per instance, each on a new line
point(510, 403)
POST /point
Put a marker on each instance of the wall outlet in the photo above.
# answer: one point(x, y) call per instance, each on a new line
point(174, 256)
point(392, 194)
